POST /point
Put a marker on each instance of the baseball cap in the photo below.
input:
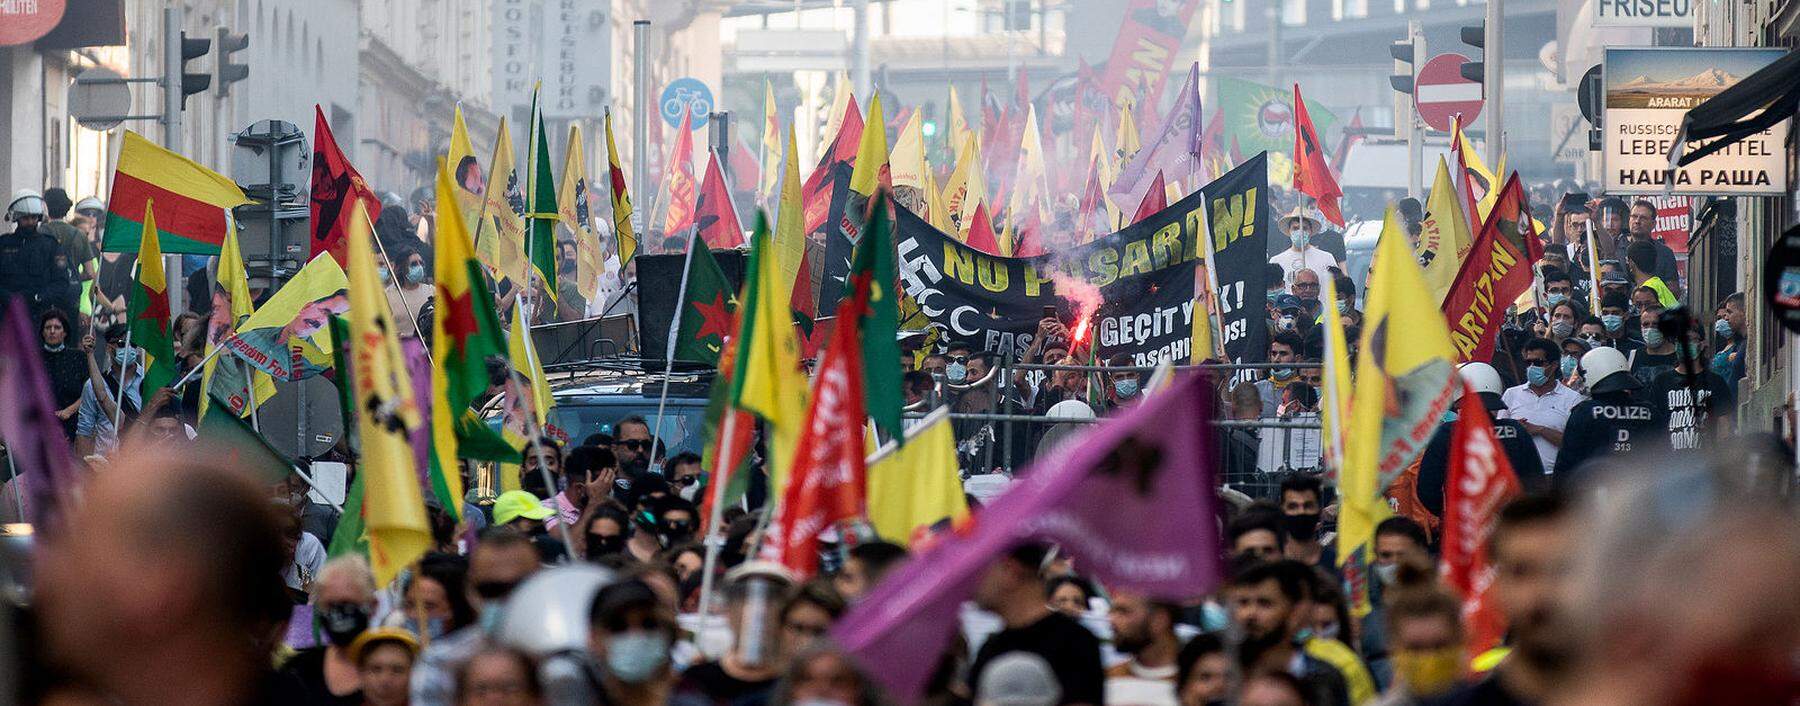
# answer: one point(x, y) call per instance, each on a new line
point(514, 504)
point(1614, 276)
point(1287, 301)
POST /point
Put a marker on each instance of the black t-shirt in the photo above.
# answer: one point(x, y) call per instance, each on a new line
point(1072, 652)
point(709, 681)
point(1646, 366)
point(304, 675)
point(1487, 692)
point(1680, 415)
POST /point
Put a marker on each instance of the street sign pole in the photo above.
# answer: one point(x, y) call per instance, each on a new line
point(1494, 61)
point(171, 85)
point(640, 126)
point(1414, 150)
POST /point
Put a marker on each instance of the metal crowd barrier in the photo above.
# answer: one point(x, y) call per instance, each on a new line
point(1003, 436)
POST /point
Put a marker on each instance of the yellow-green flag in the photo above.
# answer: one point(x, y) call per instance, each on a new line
point(916, 485)
point(768, 381)
point(1444, 236)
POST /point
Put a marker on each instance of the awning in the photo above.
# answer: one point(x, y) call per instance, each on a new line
point(1774, 89)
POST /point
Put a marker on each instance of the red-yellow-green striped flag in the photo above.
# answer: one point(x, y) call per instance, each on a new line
point(193, 200)
point(148, 310)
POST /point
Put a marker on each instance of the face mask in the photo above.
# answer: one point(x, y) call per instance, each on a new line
point(635, 657)
point(1387, 573)
point(58, 348)
point(690, 492)
point(1536, 375)
point(1568, 365)
point(385, 275)
point(1562, 329)
point(1299, 239)
point(1652, 337)
point(125, 357)
point(433, 627)
point(415, 273)
point(342, 622)
point(1286, 323)
point(1592, 341)
point(1428, 672)
point(601, 547)
point(1723, 328)
point(1273, 293)
point(1327, 632)
point(1302, 527)
point(1126, 387)
point(1282, 373)
point(1612, 322)
point(1343, 306)
point(1557, 298)
point(956, 372)
point(674, 533)
point(1691, 349)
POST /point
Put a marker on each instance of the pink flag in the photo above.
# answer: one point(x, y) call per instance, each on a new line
point(1131, 500)
point(1156, 198)
point(34, 437)
point(1175, 152)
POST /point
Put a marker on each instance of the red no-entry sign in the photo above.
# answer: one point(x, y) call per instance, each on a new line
point(1441, 92)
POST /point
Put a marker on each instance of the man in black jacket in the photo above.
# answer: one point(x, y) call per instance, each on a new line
point(28, 255)
point(1515, 441)
point(1613, 421)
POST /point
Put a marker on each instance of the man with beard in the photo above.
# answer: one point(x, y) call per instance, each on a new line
point(1269, 603)
point(1530, 548)
point(1144, 629)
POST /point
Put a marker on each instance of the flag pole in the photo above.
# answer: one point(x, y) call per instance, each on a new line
point(119, 397)
point(714, 542)
point(1593, 258)
point(669, 356)
point(198, 369)
point(537, 434)
point(17, 484)
point(250, 396)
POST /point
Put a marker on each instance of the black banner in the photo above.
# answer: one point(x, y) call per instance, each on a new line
point(1143, 276)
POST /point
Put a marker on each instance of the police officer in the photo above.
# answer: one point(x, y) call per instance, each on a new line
point(1613, 420)
point(28, 255)
point(1515, 441)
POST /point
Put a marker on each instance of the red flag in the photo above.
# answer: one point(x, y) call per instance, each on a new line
point(1090, 215)
point(1496, 272)
point(1156, 198)
point(334, 184)
point(679, 175)
point(1312, 176)
point(743, 161)
point(715, 219)
point(1030, 234)
point(1351, 137)
point(827, 483)
point(815, 193)
point(981, 231)
point(1479, 481)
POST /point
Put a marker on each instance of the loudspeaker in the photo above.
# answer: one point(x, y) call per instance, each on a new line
point(659, 285)
point(584, 340)
point(314, 400)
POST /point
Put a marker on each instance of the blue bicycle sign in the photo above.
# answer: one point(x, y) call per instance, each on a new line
point(689, 94)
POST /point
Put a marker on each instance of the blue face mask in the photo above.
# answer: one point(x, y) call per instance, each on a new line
point(1652, 337)
point(1612, 322)
point(1126, 387)
point(635, 657)
point(1343, 306)
point(1556, 298)
point(384, 274)
point(433, 627)
point(1300, 239)
point(1568, 365)
point(1282, 373)
point(956, 372)
point(1723, 328)
point(1536, 375)
point(415, 273)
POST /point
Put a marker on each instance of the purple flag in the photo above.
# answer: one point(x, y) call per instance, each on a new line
point(418, 366)
point(28, 423)
point(1131, 500)
point(1175, 152)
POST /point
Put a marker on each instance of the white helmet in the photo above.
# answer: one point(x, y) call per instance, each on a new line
point(26, 202)
point(90, 203)
point(1070, 409)
point(1482, 377)
point(1605, 370)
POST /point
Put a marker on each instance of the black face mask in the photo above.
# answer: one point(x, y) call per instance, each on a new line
point(674, 533)
point(1302, 527)
point(342, 622)
point(601, 547)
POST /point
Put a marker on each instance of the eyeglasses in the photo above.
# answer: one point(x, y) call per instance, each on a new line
point(1306, 285)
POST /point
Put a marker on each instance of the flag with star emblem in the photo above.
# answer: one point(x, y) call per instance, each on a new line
point(149, 310)
point(625, 240)
point(465, 331)
point(767, 381)
point(706, 308)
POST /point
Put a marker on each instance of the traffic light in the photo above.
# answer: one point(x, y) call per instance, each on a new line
point(229, 71)
point(192, 83)
point(928, 125)
point(1475, 36)
point(1405, 65)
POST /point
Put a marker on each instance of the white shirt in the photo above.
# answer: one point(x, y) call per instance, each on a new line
point(309, 558)
point(1309, 259)
point(1547, 410)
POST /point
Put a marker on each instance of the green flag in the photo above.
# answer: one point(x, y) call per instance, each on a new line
point(243, 446)
point(1246, 110)
point(148, 311)
point(873, 264)
point(349, 537)
point(706, 308)
point(543, 213)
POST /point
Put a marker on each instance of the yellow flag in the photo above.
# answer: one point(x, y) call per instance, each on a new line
point(465, 168)
point(959, 128)
point(935, 210)
point(840, 104)
point(1201, 333)
point(235, 285)
point(768, 382)
point(1125, 141)
point(906, 166)
point(623, 235)
point(790, 225)
point(1403, 383)
point(1109, 172)
point(572, 212)
point(966, 189)
point(1444, 236)
point(1336, 392)
point(771, 137)
point(522, 353)
point(1031, 184)
point(872, 152)
point(501, 246)
point(916, 485)
point(393, 505)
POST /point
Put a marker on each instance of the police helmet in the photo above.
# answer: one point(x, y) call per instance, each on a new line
point(1606, 370)
point(26, 202)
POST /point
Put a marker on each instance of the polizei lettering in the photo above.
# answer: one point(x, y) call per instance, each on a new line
point(1630, 413)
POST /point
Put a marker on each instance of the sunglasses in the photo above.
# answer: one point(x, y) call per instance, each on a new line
point(634, 444)
point(958, 359)
point(624, 623)
point(684, 481)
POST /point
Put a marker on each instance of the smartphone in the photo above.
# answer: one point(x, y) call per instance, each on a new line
point(1050, 312)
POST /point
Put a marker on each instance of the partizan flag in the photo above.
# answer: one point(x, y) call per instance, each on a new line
point(1496, 272)
point(195, 201)
point(335, 183)
point(1312, 171)
point(707, 307)
point(1480, 480)
point(1133, 498)
point(148, 310)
